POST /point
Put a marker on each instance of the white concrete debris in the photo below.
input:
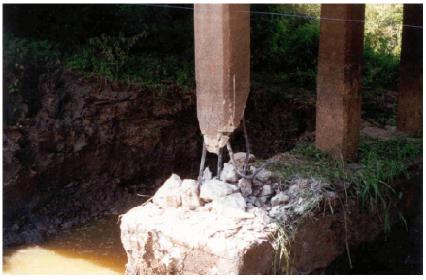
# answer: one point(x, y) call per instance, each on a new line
point(278, 213)
point(228, 173)
point(280, 198)
point(234, 200)
point(213, 228)
point(207, 174)
point(214, 189)
point(264, 175)
point(168, 195)
point(245, 187)
point(178, 241)
point(267, 190)
point(293, 189)
point(190, 194)
point(240, 159)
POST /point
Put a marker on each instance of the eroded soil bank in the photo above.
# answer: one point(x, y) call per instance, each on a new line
point(90, 146)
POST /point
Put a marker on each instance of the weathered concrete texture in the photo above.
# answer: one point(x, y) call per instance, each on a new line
point(230, 234)
point(320, 238)
point(410, 99)
point(338, 81)
point(177, 241)
point(222, 69)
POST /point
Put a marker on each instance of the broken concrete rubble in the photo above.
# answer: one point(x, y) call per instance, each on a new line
point(263, 175)
point(234, 200)
point(267, 190)
point(214, 189)
point(190, 194)
point(168, 195)
point(207, 174)
point(228, 173)
point(245, 187)
point(222, 228)
point(278, 199)
point(240, 158)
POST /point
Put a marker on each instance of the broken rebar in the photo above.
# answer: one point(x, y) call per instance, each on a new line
point(219, 162)
point(247, 146)
point(241, 174)
point(231, 156)
point(202, 163)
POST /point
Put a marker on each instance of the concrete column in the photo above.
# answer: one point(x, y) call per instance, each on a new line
point(338, 107)
point(222, 69)
point(410, 99)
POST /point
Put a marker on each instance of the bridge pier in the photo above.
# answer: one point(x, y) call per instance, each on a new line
point(410, 99)
point(222, 69)
point(338, 116)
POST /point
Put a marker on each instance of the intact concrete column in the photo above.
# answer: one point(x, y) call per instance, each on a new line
point(338, 107)
point(222, 69)
point(409, 112)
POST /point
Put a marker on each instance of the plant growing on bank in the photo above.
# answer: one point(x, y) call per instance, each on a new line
point(22, 58)
point(380, 162)
point(369, 180)
point(106, 55)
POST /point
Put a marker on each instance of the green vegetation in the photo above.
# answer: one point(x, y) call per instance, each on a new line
point(380, 162)
point(23, 59)
point(151, 45)
point(285, 49)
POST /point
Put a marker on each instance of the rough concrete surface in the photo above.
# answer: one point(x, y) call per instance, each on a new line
point(231, 234)
point(339, 79)
point(410, 98)
point(222, 69)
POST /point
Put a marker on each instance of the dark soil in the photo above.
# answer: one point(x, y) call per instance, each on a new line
point(90, 144)
point(83, 148)
point(398, 252)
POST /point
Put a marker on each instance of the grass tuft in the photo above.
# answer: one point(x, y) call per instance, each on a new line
point(380, 163)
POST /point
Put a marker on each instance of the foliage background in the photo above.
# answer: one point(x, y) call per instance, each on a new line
point(153, 45)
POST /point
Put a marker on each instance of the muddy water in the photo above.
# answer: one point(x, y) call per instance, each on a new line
point(94, 248)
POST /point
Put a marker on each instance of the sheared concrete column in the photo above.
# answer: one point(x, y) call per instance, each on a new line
point(409, 113)
point(222, 69)
point(338, 107)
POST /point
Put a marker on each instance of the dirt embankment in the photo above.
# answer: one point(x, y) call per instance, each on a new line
point(90, 146)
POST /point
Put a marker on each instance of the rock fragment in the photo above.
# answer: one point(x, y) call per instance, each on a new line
point(263, 175)
point(278, 213)
point(214, 189)
point(228, 173)
point(280, 198)
point(168, 195)
point(207, 174)
point(293, 189)
point(267, 190)
point(234, 200)
point(262, 214)
point(240, 159)
point(190, 194)
point(245, 187)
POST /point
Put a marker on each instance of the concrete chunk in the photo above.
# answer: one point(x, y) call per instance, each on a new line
point(228, 173)
point(278, 199)
point(168, 195)
point(234, 200)
point(190, 194)
point(215, 189)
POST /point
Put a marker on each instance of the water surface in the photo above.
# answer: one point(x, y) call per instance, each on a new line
point(94, 248)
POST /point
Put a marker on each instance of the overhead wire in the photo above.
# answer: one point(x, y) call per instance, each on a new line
point(275, 14)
